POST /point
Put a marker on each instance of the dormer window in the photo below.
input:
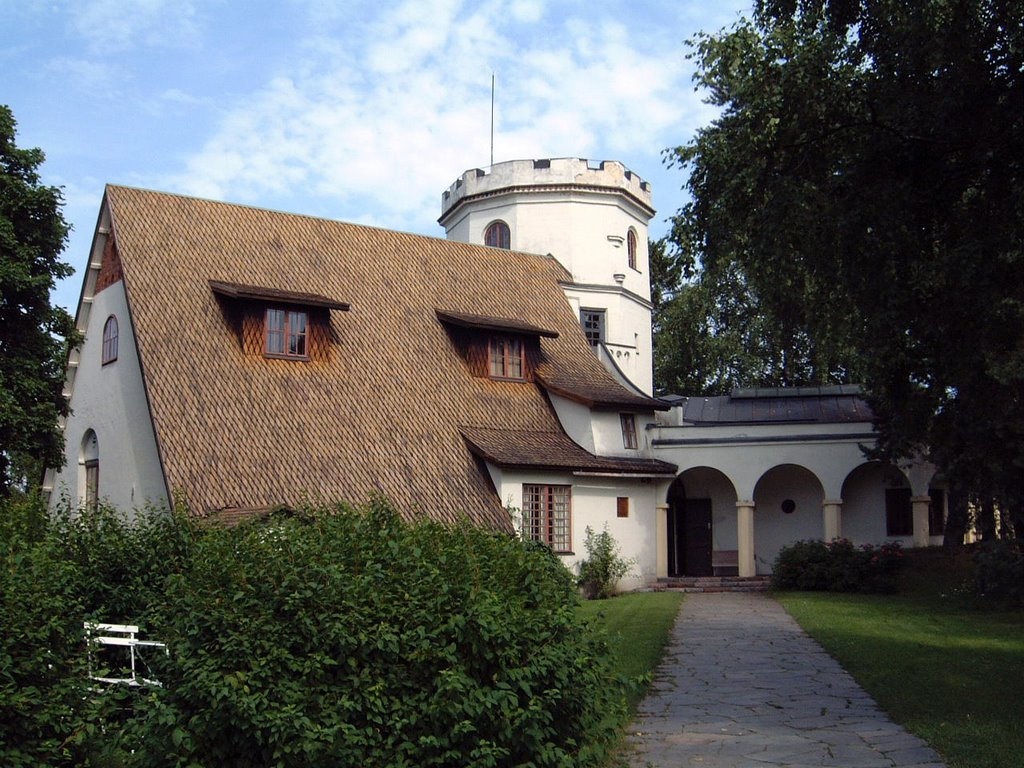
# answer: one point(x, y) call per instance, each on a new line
point(506, 357)
point(498, 235)
point(278, 324)
point(286, 334)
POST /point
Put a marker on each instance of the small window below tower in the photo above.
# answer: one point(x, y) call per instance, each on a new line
point(631, 249)
point(498, 235)
point(592, 321)
point(110, 340)
point(628, 421)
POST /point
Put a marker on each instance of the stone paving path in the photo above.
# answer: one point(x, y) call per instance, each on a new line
point(742, 686)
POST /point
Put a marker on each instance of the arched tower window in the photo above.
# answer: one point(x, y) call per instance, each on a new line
point(498, 235)
point(631, 248)
point(110, 340)
point(89, 470)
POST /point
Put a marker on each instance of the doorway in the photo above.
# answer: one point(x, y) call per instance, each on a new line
point(689, 534)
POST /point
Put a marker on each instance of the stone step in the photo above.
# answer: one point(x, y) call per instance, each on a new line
point(712, 584)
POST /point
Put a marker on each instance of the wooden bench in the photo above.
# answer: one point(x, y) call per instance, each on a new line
point(725, 560)
point(99, 636)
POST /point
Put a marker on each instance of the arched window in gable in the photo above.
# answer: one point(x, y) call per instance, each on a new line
point(110, 340)
point(498, 235)
point(631, 248)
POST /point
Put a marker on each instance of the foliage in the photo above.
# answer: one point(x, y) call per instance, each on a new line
point(999, 573)
point(603, 567)
point(637, 627)
point(333, 637)
point(838, 566)
point(34, 335)
point(861, 196)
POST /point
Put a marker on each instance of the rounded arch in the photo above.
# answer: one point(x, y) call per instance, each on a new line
point(631, 247)
point(701, 520)
point(498, 235)
point(788, 502)
point(110, 334)
point(869, 490)
point(89, 470)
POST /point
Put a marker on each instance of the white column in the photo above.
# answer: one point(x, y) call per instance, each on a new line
point(745, 537)
point(920, 505)
point(661, 540)
point(832, 512)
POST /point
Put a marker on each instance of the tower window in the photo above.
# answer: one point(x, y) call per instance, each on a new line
point(631, 248)
point(109, 340)
point(498, 235)
point(592, 321)
point(287, 334)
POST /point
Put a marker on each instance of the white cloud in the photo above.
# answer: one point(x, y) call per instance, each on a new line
point(383, 115)
point(110, 26)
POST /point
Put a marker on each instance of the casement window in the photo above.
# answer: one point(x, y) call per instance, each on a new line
point(592, 321)
point(287, 334)
point(628, 421)
point(631, 248)
point(547, 515)
point(899, 513)
point(506, 357)
point(498, 235)
point(109, 340)
point(622, 506)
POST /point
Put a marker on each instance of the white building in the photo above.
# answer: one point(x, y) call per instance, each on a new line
point(239, 360)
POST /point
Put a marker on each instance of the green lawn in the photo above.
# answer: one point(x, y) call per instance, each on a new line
point(638, 626)
point(950, 673)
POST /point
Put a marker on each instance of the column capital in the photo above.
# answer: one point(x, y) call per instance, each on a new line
point(742, 504)
point(920, 499)
point(660, 507)
point(832, 503)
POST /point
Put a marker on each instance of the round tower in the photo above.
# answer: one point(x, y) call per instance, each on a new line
point(591, 217)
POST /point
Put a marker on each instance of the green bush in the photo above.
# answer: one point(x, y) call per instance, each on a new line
point(999, 573)
point(338, 637)
point(603, 567)
point(838, 566)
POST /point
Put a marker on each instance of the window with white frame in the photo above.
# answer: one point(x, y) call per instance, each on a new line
point(547, 515)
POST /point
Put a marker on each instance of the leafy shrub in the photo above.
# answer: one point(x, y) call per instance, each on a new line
point(999, 572)
point(838, 566)
point(601, 571)
point(338, 637)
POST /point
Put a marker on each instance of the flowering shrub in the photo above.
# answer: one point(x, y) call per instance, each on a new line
point(601, 571)
point(838, 566)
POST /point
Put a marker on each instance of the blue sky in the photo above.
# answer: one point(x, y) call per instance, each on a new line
point(362, 111)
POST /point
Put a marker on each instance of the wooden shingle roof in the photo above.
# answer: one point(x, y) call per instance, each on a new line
point(381, 412)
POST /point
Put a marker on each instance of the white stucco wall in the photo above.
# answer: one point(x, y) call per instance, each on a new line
point(594, 505)
point(111, 401)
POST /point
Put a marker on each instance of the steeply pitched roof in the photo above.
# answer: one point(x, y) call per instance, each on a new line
point(527, 449)
point(381, 413)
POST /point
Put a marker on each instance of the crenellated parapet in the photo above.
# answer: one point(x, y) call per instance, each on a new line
point(557, 173)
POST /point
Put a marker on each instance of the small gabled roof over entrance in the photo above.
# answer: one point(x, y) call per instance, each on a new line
point(526, 449)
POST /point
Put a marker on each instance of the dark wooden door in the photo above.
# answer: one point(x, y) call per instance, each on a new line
point(689, 538)
point(697, 528)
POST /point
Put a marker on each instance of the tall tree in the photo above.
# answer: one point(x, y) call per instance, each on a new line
point(33, 333)
point(865, 178)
